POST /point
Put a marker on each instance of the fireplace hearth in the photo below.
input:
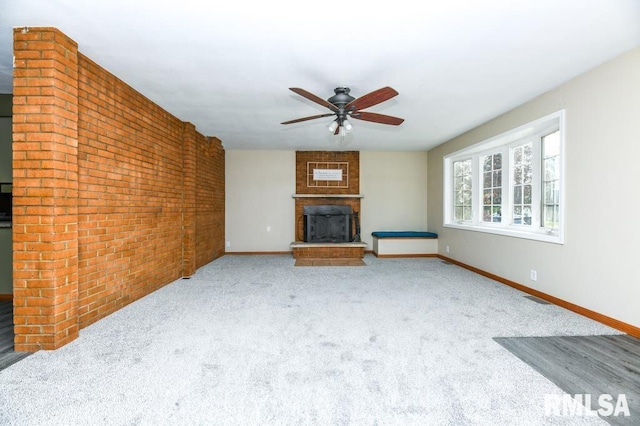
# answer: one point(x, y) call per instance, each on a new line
point(327, 223)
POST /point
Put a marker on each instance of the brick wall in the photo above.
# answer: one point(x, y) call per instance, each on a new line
point(45, 189)
point(130, 194)
point(334, 160)
point(109, 191)
point(210, 195)
point(305, 185)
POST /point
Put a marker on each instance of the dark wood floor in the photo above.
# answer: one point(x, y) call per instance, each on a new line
point(7, 355)
point(594, 365)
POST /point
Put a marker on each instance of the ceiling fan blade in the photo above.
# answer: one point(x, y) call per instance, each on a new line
point(298, 120)
point(377, 118)
point(371, 99)
point(313, 98)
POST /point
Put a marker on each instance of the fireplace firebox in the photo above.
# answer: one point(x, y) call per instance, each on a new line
point(327, 223)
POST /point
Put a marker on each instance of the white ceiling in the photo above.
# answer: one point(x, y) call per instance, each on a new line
point(226, 66)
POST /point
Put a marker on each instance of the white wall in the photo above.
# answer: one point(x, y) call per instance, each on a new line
point(259, 185)
point(595, 268)
point(394, 185)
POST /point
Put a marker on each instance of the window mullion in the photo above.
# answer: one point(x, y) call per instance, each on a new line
point(536, 199)
point(507, 179)
point(476, 193)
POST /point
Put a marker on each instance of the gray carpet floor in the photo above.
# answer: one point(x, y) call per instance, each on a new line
point(253, 340)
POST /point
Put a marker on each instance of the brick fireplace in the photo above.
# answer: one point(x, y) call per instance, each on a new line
point(328, 224)
point(326, 178)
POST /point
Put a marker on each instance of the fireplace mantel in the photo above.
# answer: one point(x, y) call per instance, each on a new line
point(327, 196)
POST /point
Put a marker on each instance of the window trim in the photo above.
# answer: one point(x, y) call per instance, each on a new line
point(504, 143)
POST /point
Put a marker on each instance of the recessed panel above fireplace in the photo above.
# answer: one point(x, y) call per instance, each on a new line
point(327, 223)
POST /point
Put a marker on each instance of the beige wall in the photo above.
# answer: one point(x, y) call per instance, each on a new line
point(259, 185)
point(394, 185)
point(595, 268)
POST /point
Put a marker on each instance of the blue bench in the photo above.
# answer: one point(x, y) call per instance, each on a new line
point(405, 243)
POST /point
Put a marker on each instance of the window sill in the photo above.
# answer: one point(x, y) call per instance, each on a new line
point(555, 238)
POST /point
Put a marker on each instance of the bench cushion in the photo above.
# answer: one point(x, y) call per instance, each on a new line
point(404, 234)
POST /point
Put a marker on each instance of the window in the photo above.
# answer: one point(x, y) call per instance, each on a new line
point(462, 190)
point(551, 180)
point(511, 184)
point(492, 188)
point(522, 184)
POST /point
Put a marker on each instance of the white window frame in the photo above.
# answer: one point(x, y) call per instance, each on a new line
point(504, 143)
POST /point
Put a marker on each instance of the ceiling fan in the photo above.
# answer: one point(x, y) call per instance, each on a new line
point(345, 106)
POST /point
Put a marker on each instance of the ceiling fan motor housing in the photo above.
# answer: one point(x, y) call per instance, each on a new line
point(341, 97)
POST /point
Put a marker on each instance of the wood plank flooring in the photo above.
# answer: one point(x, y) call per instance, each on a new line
point(7, 355)
point(593, 365)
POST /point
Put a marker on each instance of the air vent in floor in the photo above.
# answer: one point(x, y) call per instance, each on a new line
point(537, 300)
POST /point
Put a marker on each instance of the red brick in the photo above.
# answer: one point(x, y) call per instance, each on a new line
point(105, 183)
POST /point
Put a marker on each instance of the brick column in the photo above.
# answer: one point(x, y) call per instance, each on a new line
point(189, 201)
point(45, 189)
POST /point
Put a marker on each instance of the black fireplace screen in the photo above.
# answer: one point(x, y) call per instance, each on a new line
point(327, 224)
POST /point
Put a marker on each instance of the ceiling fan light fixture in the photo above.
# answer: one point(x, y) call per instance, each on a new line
point(344, 106)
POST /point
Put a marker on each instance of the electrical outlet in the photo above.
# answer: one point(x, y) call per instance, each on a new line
point(534, 275)
point(228, 243)
point(268, 229)
point(448, 250)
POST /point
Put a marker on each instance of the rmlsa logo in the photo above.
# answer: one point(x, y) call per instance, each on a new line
point(604, 405)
